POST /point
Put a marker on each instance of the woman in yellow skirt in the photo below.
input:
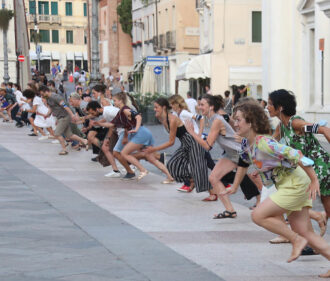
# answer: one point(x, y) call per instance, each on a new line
point(292, 174)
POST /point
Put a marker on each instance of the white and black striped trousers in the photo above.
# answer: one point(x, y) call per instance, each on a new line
point(189, 162)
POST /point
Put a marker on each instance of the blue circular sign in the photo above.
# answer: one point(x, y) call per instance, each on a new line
point(158, 70)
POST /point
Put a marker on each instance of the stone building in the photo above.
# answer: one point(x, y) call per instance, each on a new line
point(62, 26)
point(296, 52)
point(165, 34)
point(115, 46)
point(230, 45)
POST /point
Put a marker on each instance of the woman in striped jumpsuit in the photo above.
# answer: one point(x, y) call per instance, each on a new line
point(189, 161)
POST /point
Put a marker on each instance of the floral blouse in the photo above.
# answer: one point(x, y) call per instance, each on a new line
point(271, 159)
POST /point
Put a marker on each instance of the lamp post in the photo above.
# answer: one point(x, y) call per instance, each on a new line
point(6, 77)
point(95, 67)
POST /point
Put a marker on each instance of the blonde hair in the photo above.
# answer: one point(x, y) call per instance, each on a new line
point(177, 99)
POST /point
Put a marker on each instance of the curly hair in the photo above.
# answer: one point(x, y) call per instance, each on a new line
point(177, 99)
point(285, 99)
point(254, 114)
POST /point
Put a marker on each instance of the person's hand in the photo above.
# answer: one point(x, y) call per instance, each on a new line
point(189, 126)
point(132, 131)
point(313, 189)
point(238, 138)
point(149, 150)
point(91, 123)
point(229, 191)
point(125, 141)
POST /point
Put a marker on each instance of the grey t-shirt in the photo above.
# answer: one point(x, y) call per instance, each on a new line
point(54, 103)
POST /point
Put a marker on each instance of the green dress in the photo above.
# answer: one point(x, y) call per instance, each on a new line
point(311, 148)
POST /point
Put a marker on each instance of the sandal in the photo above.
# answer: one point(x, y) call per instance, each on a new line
point(226, 215)
point(142, 175)
point(63, 152)
point(212, 197)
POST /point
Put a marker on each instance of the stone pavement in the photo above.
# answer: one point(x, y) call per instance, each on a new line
point(62, 220)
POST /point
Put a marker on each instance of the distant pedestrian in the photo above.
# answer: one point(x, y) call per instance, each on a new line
point(191, 103)
point(228, 103)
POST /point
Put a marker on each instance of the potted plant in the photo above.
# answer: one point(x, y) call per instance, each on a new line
point(139, 43)
point(133, 45)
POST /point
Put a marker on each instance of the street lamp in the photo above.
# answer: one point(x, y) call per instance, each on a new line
point(95, 67)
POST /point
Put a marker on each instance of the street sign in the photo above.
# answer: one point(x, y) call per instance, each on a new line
point(158, 70)
point(157, 60)
point(21, 58)
point(39, 49)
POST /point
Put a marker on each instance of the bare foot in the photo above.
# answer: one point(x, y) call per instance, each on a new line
point(325, 275)
point(278, 240)
point(298, 244)
point(322, 221)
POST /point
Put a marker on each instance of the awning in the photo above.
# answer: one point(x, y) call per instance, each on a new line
point(33, 55)
point(136, 67)
point(78, 56)
point(242, 75)
point(55, 55)
point(195, 68)
point(69, 56)
point(85, 54)
point(46, 55)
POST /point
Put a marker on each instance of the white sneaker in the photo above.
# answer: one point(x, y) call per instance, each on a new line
point(55, 141)
point(113, 174)
point(43, 138)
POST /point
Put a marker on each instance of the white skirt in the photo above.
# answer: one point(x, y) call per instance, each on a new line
point(41, 122)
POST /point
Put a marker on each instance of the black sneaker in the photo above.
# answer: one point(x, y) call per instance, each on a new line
point(94, 159)
point(129, 176)
point(308, 251)
point(163, 158)
point(19, 125)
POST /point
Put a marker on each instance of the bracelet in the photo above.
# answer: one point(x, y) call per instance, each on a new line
point(210, 147)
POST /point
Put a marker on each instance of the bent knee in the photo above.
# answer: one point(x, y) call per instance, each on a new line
point(256, 217)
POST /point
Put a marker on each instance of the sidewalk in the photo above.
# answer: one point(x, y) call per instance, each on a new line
point(134, 232)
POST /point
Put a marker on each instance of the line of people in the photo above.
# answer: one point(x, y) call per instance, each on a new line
point(292, 159)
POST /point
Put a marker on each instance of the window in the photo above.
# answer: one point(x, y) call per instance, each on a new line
point(44, 36)
point(32, 7)
point(55, 36)
point(68, 8)
point(85, 9)
point(43, 8)
point(54, 8)
point(69, 37)
point(256, 27)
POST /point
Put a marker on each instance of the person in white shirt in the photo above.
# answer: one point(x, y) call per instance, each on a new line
point(22, 103)
point(41, 110)
point(191, 103)
point(106, 115)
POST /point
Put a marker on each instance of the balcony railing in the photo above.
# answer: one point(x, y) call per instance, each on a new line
point(45, 18)
point(170, 40)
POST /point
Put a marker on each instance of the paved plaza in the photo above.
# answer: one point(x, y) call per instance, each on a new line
point(63, 220)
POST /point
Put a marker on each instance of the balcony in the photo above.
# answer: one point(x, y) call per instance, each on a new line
point(170, 40)
point(162, 41)
point(45, 19)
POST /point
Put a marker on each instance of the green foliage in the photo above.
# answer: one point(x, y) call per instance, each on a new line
point(146, 101)
point(124, 10)
point(35, 37)
point(5, 17)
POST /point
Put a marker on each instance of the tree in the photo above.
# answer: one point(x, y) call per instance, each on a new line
point(124, 10)
point(5, 17)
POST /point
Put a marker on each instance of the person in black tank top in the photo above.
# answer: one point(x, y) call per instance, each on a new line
point(188, 162)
